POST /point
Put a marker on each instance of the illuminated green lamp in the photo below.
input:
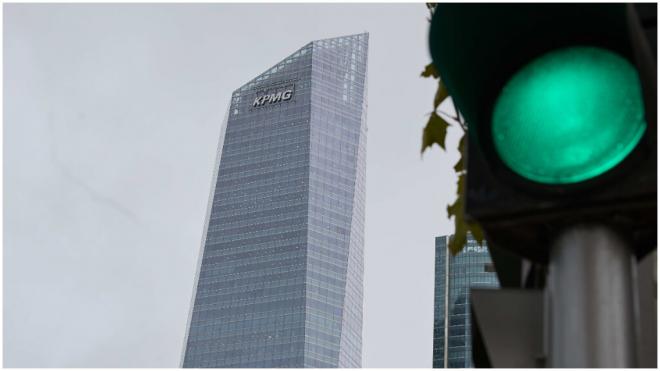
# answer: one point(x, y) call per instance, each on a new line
point(569, 116)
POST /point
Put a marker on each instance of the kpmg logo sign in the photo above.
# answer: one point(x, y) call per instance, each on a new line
point(279, 96)
point(477, 248)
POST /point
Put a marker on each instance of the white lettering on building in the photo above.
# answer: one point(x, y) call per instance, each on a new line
point(280, 96)
point(478, 249)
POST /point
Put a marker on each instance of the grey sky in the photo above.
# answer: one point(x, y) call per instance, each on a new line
point(111, 118)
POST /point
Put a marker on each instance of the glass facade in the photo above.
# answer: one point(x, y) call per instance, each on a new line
point(280, 277)
point(471, 268)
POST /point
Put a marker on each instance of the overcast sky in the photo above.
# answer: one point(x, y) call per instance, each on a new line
point(111, 119)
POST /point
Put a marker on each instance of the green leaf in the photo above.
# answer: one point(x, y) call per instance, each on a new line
point(460, 189)
point(429, 71)
point(457, 243)
point(461, 144)
point(440, 94)
point(477, 232)
point(460, 165)
point(435, 132)
point(461, 226)
point(456, 209)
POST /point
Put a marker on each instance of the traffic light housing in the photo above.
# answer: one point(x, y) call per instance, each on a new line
point(560, 102)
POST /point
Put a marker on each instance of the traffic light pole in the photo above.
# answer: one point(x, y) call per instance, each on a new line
point(591, 300)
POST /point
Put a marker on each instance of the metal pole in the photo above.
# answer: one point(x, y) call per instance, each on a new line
point(591, 299)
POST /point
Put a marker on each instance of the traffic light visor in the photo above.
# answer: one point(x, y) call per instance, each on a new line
point(569, 116)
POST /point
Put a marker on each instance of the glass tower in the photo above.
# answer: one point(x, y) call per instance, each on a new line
point(279, 282)
point(471, 268)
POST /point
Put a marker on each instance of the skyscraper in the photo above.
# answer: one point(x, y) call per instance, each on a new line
point(280, 276)
point(472, 267)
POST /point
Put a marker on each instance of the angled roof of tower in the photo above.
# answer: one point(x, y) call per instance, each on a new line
point(307, 48)
point(338, 41)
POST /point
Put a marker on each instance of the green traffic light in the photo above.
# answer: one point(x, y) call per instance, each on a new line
point(569, 115)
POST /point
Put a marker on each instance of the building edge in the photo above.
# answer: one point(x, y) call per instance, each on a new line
point(209, 206)
point(360, 157)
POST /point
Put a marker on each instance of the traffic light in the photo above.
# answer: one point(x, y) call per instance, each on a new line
point(560, 103)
